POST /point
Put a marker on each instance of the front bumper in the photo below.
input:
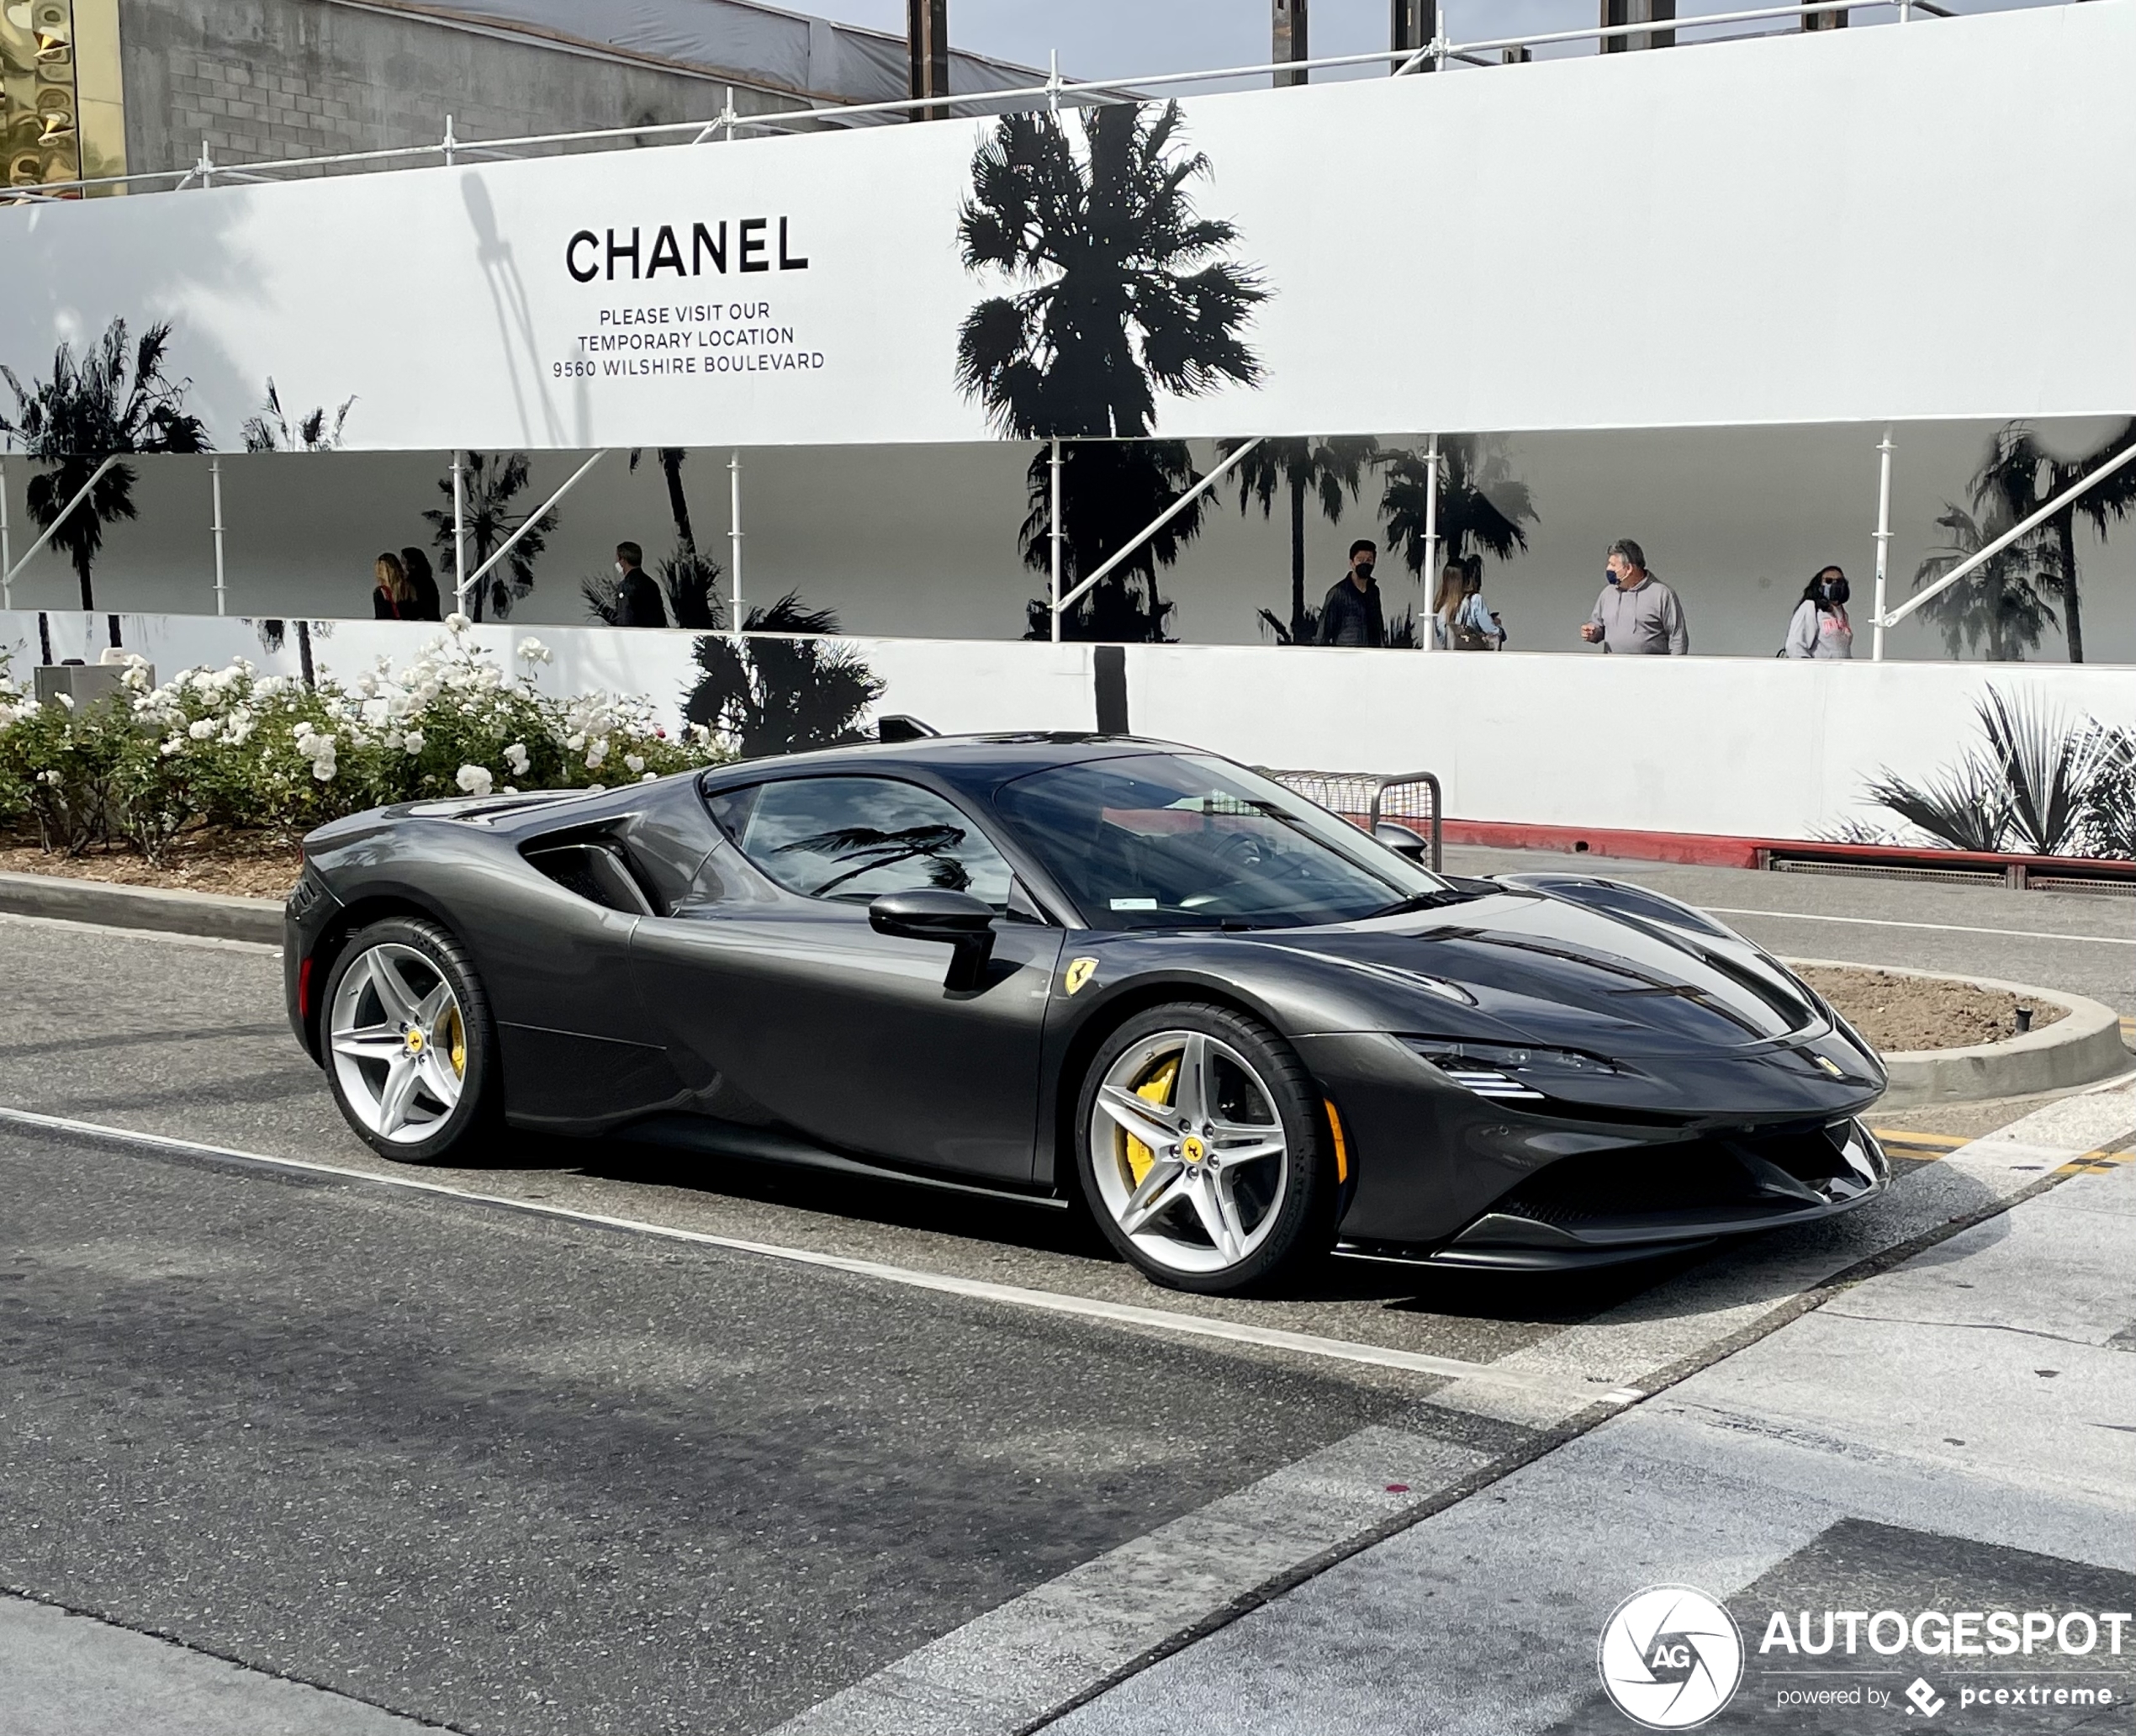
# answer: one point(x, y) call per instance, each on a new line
point(1444, 1175)
point(1605, 1208)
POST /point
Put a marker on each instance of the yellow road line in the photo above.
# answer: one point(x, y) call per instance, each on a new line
point(1924, 1141)
point(2096, 1163)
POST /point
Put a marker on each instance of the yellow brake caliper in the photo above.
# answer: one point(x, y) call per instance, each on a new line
point(458, 1044)
point(1157, 1089)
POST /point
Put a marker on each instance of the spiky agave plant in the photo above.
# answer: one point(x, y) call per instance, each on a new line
point(2037, 787)
point(2049, 766)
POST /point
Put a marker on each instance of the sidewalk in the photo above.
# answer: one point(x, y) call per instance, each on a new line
point(1958, 1433)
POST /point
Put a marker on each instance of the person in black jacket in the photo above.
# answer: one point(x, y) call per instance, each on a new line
point(637, 598)
point(423, 582)
point(1350, 615)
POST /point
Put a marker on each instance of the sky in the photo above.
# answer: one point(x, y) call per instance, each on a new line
point(1120, 39)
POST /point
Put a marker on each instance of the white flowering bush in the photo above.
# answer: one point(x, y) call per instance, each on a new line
point(235, 748)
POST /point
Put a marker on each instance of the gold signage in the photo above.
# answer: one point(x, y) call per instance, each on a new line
point(62, 102)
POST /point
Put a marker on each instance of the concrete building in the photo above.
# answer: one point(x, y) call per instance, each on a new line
point(102, 87)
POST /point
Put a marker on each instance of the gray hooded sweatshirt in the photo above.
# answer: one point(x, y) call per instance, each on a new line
point(1641, 619)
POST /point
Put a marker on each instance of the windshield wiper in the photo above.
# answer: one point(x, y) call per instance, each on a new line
point(1421, 901)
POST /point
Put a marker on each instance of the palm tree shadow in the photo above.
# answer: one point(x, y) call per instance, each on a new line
point(515, 317)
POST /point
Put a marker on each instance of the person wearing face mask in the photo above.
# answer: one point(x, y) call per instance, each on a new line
point(1637, 614)
point(1350, 613)
point(1821, 627)
point(637, 598)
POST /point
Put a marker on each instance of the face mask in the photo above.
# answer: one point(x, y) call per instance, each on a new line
point(1608, 575)
point(1364, 569)
point(621, 570)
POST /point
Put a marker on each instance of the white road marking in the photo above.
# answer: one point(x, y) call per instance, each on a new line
point(1564, 1389)
point(1880, 921)
point(109, 931)
point(1022, 1661)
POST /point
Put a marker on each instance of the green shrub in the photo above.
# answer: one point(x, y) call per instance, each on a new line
point(232, 747)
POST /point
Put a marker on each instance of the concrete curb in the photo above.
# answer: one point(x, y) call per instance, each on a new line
point(214, 914)
point(2081, 1047)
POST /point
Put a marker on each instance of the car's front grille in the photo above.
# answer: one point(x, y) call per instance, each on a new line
point(1779, 1173)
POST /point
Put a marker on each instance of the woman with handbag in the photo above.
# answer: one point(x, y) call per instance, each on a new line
point(1476, 628)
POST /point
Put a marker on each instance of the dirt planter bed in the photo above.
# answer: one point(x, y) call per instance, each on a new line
point(2080, 1046)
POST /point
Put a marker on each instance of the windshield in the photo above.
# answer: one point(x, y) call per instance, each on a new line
point(1167, 841)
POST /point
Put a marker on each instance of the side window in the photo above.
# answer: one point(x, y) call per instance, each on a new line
point(853, 839)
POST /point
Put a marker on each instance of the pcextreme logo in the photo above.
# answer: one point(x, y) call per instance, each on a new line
point(1671, 1657)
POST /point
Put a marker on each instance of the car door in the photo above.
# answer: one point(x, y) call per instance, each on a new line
point(801, 1016)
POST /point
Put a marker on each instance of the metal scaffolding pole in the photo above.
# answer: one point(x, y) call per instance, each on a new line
point(7, 574)
point(1883, 541)
point(1054, 536)
point(1412, 26)
point(2023, 527)
point(734, 535)
point(536, 517)
point(216, 524)
point(462, 584)
point(1158, 523)
point(7, 561)
point(1288, 30)
point(927, 52)
point(1427, 628)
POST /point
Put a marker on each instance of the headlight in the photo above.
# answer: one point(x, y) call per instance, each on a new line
point(1503, 1070)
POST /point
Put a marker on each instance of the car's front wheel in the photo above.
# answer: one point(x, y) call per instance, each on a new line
point(1201, 1145)
point(410, 1046)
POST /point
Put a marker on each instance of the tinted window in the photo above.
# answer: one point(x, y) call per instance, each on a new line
point(853, 838)
point(1163, 840)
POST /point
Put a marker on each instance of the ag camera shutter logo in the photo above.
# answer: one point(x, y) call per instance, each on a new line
point(1671, 1657)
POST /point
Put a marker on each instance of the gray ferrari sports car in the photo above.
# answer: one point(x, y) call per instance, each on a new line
point(1237, 1029)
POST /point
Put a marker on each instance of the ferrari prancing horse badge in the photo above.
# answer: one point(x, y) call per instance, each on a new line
point(1080, 971)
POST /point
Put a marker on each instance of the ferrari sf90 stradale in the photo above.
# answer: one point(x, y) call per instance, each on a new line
point(1239, 1029)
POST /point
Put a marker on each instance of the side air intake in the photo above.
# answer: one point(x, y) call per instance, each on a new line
point(596, 871)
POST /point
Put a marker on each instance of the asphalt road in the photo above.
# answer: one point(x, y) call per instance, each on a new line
point(515, 1474)
point(493, 1463)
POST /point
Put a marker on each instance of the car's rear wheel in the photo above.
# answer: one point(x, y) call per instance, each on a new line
point(410, 1044)
point(1200, 1141)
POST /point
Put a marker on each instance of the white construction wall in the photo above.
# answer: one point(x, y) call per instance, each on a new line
point(1764, 748)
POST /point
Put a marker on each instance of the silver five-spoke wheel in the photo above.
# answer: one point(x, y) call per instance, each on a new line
point(1188, 1152)
point(399, 1043)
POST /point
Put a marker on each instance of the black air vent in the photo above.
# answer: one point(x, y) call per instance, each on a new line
point(597, 871)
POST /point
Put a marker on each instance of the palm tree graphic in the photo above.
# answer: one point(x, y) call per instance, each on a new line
point(1481, 504)
point(1119, 290)
point(2020, 475)
point(792, 689)
point(1299, 469)
point(112, 400)
point(494, 481)
point(2000, 602)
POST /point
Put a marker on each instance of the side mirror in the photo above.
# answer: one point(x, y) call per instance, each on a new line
point(958, 919)
point(1401, 838)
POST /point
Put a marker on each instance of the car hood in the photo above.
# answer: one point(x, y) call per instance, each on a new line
point(1541, 969)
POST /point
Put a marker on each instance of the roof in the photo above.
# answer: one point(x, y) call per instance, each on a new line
point(753, 43)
